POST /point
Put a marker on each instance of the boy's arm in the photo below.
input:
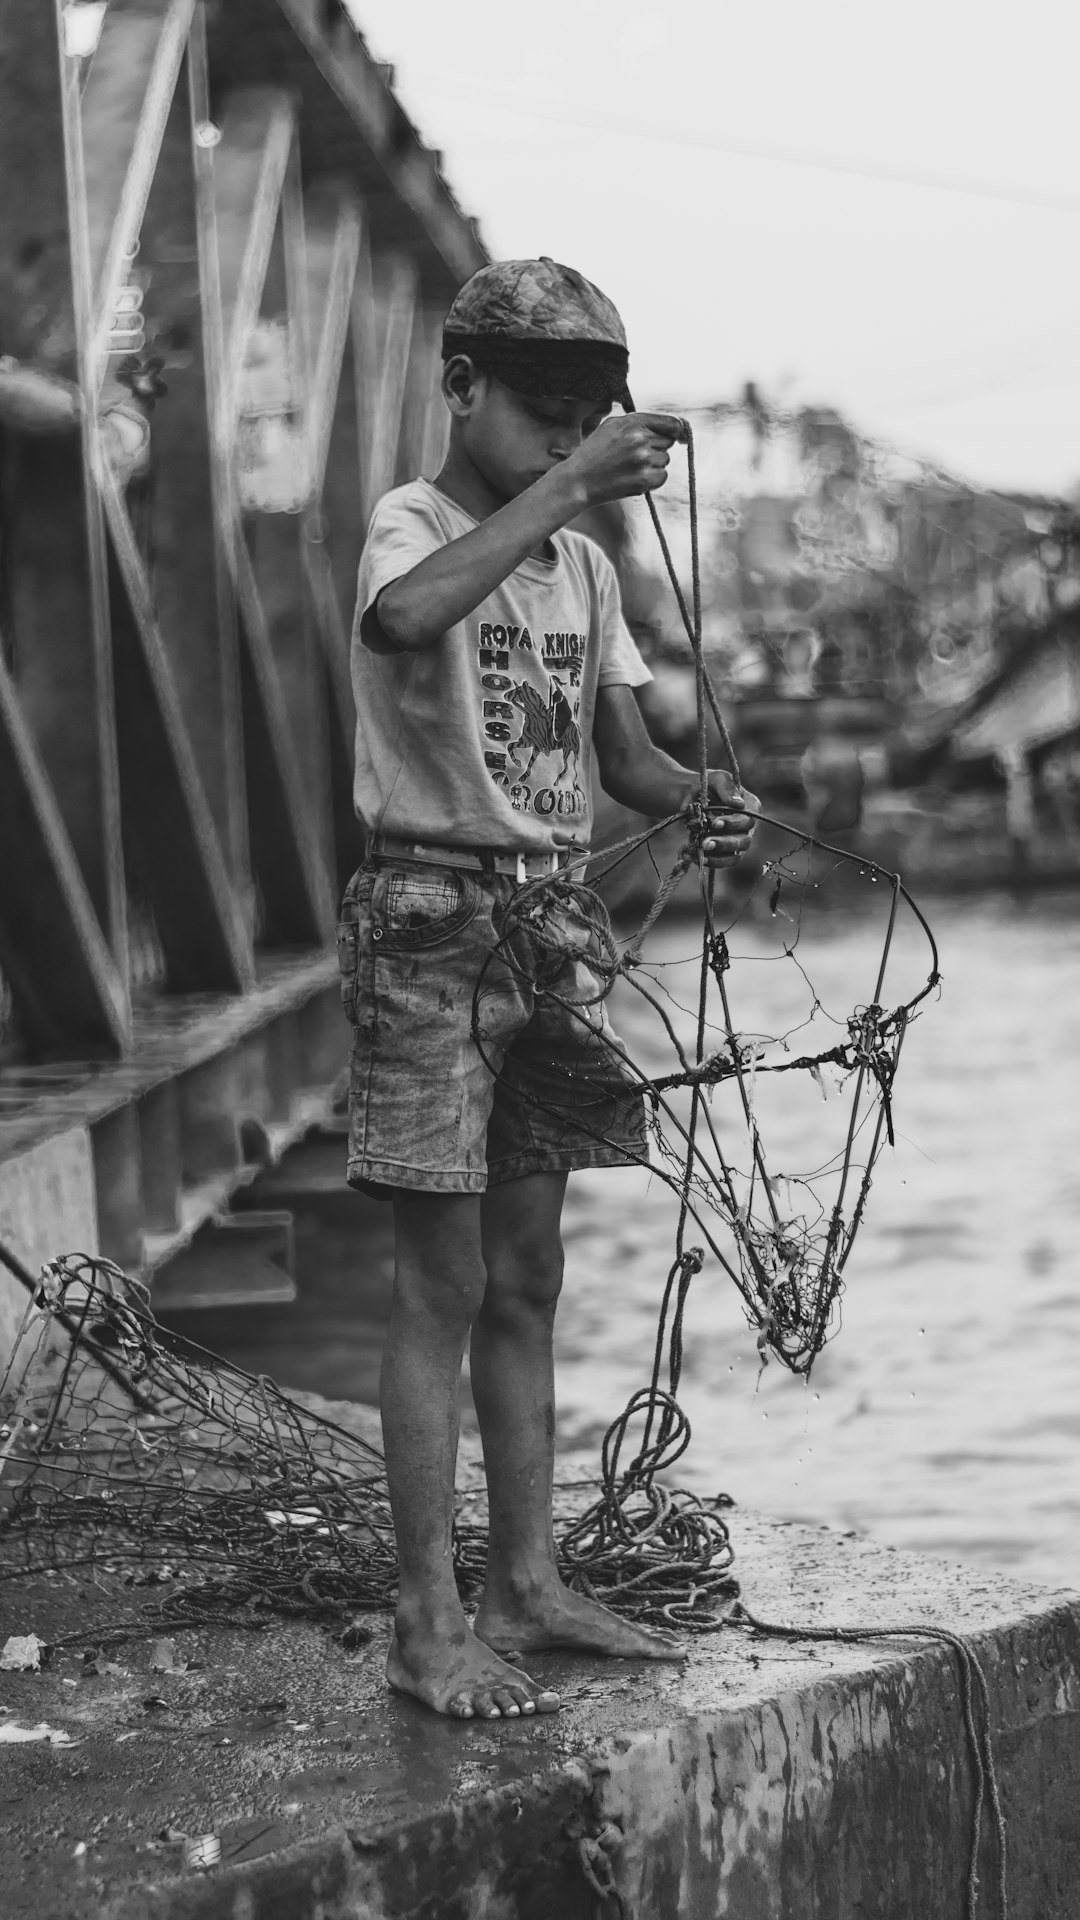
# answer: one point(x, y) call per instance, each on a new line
point(624, 456)
point(640, 775)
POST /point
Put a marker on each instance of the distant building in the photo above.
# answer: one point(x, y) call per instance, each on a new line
point(1025, 721)
point(856, 601)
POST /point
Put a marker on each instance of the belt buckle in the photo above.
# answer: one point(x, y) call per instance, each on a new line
point(550, 866)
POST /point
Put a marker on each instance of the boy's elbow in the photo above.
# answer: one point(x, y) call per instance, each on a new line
point(616, 771)
point(385, 626)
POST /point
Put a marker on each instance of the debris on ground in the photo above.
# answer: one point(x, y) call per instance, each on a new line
point(203, 1852)
point(22, 1653)
point(11, 1734)
point(164, 1658)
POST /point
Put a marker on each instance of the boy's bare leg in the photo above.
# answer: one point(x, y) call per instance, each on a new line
point(525, 1604)
point(438, 1286)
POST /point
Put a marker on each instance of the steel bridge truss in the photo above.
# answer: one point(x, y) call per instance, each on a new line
point(221, 232)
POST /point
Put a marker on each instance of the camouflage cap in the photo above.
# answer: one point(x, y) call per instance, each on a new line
point(534, 300)
point(542, 329)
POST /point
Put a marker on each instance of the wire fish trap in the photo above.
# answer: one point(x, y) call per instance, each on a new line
point(721, 1117)
point(128, 1451)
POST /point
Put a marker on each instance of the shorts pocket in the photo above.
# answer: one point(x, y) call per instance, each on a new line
point(413, 908)
point(348, 940)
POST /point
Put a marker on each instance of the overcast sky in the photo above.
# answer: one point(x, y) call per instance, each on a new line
point(603, 132)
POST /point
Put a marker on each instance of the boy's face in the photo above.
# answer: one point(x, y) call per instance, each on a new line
point(510, 438)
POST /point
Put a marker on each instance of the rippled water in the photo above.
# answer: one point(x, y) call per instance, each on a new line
point(945, 1414)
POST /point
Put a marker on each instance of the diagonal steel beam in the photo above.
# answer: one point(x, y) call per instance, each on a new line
point(333, 233)
point(333, 636)
point(390, 386)
point(200, 919)
point(256, 185)
point(423, 412)
point(125, 107)
point(250, 167)
point(434, 432)
point(70, 995)
point(286, 850)
point(54, 560)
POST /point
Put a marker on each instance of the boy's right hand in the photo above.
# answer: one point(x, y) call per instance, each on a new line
point(625, 455)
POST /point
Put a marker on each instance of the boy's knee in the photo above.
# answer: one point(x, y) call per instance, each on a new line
point(450, 1294)
point(439, 1269)
point(525, 1275)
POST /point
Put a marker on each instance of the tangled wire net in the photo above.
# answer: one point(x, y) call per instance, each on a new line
point(788, 1237)
point(129, 1452)
point(132, 1457)
point(127, 1449)
point(784, 1239)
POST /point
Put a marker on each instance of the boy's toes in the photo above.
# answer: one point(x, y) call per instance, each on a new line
point(506, 1702)
point(460, 1707)
point(548, 1701)
point(485, 1705)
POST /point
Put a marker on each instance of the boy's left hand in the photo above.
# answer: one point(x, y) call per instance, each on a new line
point(730, 833)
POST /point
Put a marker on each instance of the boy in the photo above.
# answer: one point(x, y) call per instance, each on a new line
point(490, 661)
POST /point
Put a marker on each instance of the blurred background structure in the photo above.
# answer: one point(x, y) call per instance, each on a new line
point(899, 650)
point(224, 258)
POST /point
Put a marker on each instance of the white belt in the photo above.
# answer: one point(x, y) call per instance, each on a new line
point(519, 866)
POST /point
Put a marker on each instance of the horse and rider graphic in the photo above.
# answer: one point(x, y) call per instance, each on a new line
point(547, 726)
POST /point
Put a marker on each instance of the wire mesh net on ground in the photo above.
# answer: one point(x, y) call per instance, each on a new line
point(127, 1451)
point(134, 1459)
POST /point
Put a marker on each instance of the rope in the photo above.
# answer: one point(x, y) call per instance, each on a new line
point(706, 692)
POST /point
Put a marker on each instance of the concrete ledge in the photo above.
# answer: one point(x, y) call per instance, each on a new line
point(775, 1779)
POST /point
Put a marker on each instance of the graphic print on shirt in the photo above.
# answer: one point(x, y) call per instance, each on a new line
point(530, 720)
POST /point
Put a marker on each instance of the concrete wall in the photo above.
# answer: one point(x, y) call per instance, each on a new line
point(47, 1207)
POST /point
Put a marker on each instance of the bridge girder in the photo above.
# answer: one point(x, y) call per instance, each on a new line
point(226, 199)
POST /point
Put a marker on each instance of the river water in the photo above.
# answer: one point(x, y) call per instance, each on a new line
point(944, 1416)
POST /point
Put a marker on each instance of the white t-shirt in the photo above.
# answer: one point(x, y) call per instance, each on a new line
point(484, 739)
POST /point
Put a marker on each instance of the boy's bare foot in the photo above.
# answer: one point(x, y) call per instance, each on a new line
point(462, 1676)
point(553, 1619)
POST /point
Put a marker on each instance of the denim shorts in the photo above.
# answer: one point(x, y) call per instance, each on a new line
point(481, 1047)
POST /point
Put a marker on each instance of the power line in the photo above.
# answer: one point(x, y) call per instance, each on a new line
point(1030, 375)
point(1000, 360)
point(962, 396)
point(780, 156)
